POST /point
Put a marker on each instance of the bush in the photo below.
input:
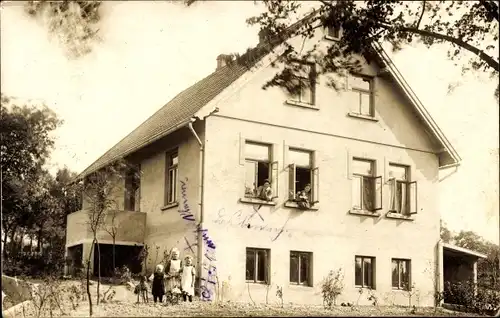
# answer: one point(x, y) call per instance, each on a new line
point(485, 301)
point(331, 287)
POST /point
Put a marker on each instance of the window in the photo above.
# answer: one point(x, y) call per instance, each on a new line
point(365, 272)
point(362, 87)
point(401, 273)
point(366, 187)
point(303, 178)
point(172, 161)
point(259, 171)
point(132, 189)
point(300, 268)
point(403, 192)
point(257, 267)
point(302, 83)
point(333, 33)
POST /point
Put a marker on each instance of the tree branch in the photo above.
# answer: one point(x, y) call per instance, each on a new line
point(483, 56)
point(421, 15)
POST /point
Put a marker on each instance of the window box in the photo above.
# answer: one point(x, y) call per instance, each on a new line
point(364, 213)
point(299, 104)
point(295, 205)
point(399, 216)
point(169, 206)
point(257, 201)
point(360, 116)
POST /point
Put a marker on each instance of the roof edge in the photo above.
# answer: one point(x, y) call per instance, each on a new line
point(463, 250)
point(133, 149)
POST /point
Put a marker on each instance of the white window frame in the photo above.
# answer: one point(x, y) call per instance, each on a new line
point(400, 274)
point(299, 255)
point(255, 250)
point(328, 36)
point(171, 196)
point(293, 99)
point(374, 273)
point(410, 188)
point(360, 92)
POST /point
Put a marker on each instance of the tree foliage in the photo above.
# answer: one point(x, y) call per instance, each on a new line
point(465, 26)
point(34, 203)
point(489, 268)
point(73, 23)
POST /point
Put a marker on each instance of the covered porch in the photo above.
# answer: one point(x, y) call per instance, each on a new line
point(458, 266)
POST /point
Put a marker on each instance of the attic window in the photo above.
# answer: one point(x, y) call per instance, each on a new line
point(333, 33)
point(302, 83)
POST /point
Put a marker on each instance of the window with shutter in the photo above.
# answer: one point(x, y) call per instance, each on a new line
point(261, 175)
point(303, 179)
point(403, 191)
point(366, 187)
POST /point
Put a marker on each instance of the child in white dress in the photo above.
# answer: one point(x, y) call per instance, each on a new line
point(188, 274)
point(172, 272)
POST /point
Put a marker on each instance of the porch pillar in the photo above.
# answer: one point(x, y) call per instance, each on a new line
point(474, 273)
point(440, 272)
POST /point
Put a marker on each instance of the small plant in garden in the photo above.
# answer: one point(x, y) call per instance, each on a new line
point(331, 287)
point(373, 298)
point(279, 294)
point(410, 291)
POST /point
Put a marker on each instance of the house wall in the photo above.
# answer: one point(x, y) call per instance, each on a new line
point(165, 226)
point(332, 234)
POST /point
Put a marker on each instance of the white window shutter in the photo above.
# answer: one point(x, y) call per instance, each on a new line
point(291, 182)
point(274, 178)
point(242, 150)
point(412, 188)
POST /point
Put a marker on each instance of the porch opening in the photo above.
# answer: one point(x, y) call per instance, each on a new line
point(127, 255)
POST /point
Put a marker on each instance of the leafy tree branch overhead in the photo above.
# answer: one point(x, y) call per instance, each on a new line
point(469, 28)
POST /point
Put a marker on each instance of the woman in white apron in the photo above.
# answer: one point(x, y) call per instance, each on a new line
point(172, 272)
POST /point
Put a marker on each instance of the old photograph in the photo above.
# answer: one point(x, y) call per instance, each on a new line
point(199, 158)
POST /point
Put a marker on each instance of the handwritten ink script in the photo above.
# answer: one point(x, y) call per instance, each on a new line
point(207, 287)
point(237, 220)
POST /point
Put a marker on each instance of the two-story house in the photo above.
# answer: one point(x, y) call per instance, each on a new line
point(266, 189)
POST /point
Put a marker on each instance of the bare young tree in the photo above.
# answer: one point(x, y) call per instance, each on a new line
point(100, 190)
point(112, 229)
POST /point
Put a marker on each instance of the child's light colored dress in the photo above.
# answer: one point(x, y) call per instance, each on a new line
point(187, 279)
point(173, 270)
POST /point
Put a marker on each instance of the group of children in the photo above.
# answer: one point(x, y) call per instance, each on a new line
point(178, 277)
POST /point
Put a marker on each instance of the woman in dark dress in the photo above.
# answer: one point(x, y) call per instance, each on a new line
point(158, 288)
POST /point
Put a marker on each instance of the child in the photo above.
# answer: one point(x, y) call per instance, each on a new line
point(187, 279)
point(172, 271)
point(158, 288)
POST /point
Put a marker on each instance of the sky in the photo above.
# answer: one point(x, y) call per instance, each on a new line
point(150, 51)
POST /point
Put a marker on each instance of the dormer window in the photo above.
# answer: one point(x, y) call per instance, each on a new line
point(333, 33)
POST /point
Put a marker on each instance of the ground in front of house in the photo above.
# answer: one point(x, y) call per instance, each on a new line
point(123, 304)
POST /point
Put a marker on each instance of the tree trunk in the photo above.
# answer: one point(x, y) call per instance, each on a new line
point(98, 272)
point(88, 278)
point(114, 257)
point(39, 242)
point(5, 244)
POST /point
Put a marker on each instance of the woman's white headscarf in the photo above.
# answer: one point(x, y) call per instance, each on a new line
point(159, 268)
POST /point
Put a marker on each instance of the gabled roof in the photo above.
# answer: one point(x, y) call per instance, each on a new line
point(181, 109)
point(173, 115)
